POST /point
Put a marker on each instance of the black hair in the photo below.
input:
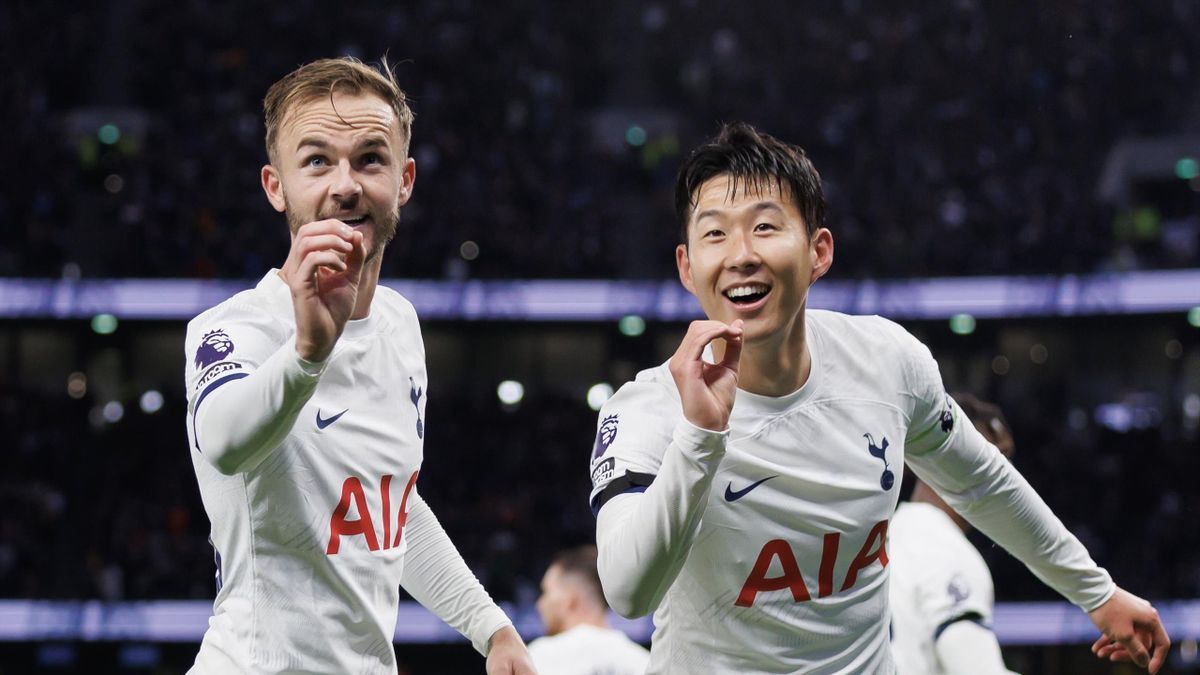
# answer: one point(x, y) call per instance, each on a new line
point(754, 160)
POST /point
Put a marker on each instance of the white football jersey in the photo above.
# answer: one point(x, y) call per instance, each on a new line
point(937, 578)
point(310, 542)
point(588, 650)
point(787, 566)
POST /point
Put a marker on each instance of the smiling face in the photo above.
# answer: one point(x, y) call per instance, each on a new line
point(748, 256)
point(342, 157)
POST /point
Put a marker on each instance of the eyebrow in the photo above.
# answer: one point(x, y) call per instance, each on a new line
point(757, 208)
point(321, 144)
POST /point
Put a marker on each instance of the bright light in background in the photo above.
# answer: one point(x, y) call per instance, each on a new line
point(510, 392)
point(151, 402)
point(77, 385)
point(469, 250)
point(632, 325)
point(1194, 316)
point(635, 136)
point(1186, 168)
point(598, 394)
point(108, 134)
point(113, 412)
point(962, 324)
point(104, 324)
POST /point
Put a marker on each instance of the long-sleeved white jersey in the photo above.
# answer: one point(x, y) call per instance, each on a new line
point(308, 473)
point(763, 548)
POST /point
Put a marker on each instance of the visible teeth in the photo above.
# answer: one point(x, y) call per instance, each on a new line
point(743, 291)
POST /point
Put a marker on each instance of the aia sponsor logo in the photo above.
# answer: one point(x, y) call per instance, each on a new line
point(341, 524)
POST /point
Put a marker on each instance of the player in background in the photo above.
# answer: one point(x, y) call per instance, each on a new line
point(744, 496)
point(941, 589)
point(578, 639)
point(306, 410)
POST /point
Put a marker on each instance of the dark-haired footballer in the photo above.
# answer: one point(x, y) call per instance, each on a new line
point(744, 488)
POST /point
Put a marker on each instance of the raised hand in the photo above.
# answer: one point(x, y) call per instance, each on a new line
point(323, 270)
point(1132, 632)
point(707, 389)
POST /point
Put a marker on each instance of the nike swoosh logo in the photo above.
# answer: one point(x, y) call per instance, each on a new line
point(732, 495)
point(322, 423)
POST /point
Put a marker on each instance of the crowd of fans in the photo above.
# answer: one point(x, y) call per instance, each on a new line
point(91, 508)
point(956, 138)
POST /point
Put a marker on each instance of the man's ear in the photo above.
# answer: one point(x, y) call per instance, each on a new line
point(684, 264)
point(408, 178)
point(272, 185)
point(822, 253)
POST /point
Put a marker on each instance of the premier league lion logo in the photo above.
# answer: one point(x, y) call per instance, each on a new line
point(214, 347)
point(608, 433)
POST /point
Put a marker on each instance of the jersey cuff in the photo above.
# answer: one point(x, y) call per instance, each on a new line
point(632, 481)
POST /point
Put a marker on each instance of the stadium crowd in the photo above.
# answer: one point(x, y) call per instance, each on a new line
point(960, 138)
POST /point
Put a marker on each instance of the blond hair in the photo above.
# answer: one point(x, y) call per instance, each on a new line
point(325, 77)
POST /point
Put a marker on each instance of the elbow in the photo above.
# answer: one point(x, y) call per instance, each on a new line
point(622, 595)
point(225, 460)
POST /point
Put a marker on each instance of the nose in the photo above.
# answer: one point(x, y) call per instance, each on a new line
point(741, 253)
point(345, 183)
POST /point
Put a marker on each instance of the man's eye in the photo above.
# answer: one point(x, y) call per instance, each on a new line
point(316, 161)
point(764, 227)
point(713, 233)
point(371, 158)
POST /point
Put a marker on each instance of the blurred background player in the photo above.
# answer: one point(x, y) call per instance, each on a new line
point(306, 398)
point(578, 639)
point(941, 590)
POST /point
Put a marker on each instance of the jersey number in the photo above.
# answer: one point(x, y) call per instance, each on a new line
point(352, 491)
point(874, 548)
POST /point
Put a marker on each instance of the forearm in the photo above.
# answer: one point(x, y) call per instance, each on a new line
point(967, 647)
point(438, 578)
point(1008, 510)
point(643, 539)
point(240, 421)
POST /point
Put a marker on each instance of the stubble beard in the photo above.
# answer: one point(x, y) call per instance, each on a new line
point(383, 232)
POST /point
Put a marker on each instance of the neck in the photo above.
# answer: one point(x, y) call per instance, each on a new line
point(595, 618)
point(776, 365)
point(924, 494)
point(366, 287)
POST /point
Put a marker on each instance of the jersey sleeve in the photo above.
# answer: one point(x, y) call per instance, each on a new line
point(632, 434)
point(438, 578)
point(246, 384)
point(946, 451)
point(652, 472)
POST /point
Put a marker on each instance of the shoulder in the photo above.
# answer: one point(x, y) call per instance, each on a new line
point(870, 333)
point(651, 400)
point(390, 300)
point(252, 315)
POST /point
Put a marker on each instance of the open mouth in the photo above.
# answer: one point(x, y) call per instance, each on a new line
point(747, 294)
point(357, 220)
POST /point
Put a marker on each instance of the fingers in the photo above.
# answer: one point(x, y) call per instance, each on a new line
point(733, 346)
point(700, 334)
point(314, 261)
point(1162, 645)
